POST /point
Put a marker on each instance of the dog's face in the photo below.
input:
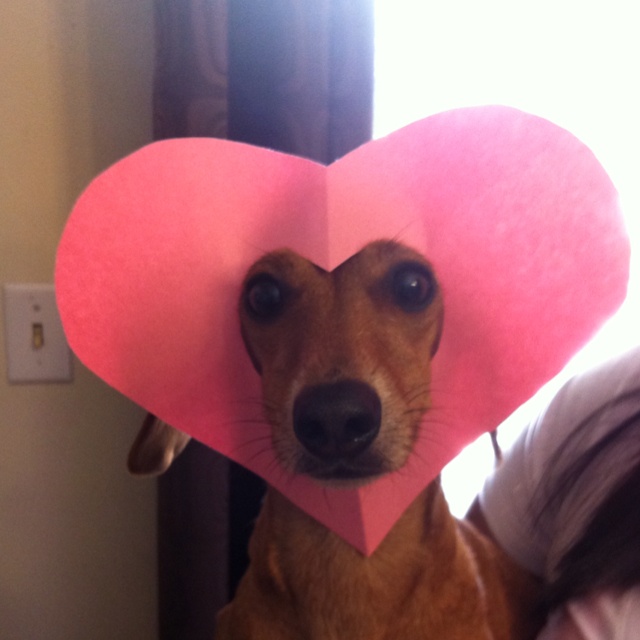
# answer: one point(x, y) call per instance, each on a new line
point(344, 357)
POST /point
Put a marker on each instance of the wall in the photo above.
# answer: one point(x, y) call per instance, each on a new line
point(77, 535)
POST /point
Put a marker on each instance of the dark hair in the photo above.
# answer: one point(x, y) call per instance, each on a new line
point(607, 553)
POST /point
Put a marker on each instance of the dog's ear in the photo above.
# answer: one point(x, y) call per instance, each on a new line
point(155, 448)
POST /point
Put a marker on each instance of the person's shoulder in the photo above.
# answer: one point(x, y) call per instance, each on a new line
point(593, 401)
point(607, 615)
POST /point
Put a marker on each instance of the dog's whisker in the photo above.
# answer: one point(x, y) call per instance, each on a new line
point(259, 422)
point(412, 410)
point(252, 447)
point(416, 392)
point(248, 442)
point(248, 400)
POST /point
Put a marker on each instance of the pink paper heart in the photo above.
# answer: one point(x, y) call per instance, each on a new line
point(518, 217)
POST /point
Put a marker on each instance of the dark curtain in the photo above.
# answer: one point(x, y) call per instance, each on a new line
point(291, 75)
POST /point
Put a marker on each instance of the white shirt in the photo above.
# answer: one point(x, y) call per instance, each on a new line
point(589, 405)
point(602, 616)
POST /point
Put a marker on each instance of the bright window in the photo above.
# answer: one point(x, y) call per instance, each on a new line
point(574, 62)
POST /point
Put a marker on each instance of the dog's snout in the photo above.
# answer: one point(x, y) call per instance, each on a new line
point(337, 420)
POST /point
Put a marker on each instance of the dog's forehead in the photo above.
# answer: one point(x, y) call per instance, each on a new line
point(283, 262)
point(379, 255)
point(374, 256)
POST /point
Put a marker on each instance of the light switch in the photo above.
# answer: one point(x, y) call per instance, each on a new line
point(37, 350)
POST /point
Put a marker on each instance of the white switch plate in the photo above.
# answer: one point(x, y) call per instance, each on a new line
point(37, 350)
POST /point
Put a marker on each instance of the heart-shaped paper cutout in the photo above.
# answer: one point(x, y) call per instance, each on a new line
point(518, 217)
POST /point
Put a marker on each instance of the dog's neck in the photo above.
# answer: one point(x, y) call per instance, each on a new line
point(293, 555)
point(281, 521)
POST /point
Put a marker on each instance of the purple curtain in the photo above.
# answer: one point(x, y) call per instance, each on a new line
point(190, 84)
point(291, 75)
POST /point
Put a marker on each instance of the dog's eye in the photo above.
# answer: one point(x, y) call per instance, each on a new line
point(264, 297)
point(413, 286)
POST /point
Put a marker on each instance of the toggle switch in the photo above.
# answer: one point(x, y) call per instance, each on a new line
point(37, 336)
point(36, 347)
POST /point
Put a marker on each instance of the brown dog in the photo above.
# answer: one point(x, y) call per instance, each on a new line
point(345, 365)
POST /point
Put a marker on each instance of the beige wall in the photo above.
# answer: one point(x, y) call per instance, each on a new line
point(77, 535)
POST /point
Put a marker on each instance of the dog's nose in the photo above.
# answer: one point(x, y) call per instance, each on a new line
point(337, 420)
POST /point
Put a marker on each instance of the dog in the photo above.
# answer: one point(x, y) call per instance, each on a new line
point(344, 358)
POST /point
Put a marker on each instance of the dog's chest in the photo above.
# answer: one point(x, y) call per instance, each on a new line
point(335, 592)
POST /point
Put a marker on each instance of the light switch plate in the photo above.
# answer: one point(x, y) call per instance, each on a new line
point(36, 347)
